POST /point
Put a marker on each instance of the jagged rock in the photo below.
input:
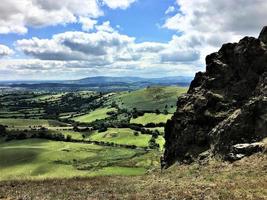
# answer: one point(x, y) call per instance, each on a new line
point(226, 105)
point(239, 151)
point(248, 149)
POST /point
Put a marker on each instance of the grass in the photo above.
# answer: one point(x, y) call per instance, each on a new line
point(30, 122)
point(121, 136)
point(151, 118)
point(160, 129)
point(242, 180)
point(50, 97)
point(151, 98)
point(41, 159)
point(100, 113)
point(74, 135)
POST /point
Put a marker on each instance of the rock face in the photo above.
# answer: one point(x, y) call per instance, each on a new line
point(239, 151)
point(225, 106)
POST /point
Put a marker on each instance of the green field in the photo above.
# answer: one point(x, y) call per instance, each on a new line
point(121, 136)
point(30, 122)
point(100, 113)
point(73, 134)
point(39, 159)
point(151, 98)
point(50, 97)
point(151, 118)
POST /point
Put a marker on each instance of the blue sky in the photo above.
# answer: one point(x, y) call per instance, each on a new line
point(71, 39)
point(142, 20)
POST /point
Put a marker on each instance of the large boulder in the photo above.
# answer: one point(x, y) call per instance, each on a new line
point(226, 105)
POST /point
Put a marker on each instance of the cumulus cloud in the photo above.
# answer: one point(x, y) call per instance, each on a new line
point(122, 4)
point(170, 10)
point(206, 25)
point(105, 51)
point(17, 15)
point(105, 27)
point(106, 45)
point(5, 51)
point(77, 46)
point(87, 23)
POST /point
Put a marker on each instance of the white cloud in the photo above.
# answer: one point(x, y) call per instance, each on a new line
point(170, 10)
point(105, 26)
point(87, 23)
point(114, 4)
point(17, 15)
point(204, 25)
point(105, 52)
point(5, 51)
point(107, 46)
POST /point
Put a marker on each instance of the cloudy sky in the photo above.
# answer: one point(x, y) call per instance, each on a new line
point(71, 39)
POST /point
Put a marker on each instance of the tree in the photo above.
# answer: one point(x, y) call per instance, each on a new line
point(165, 112)
point(157, 111)
point(68, 138)
point(155, 134)
point(2, 130)
point(152, 143)
point(136, 133)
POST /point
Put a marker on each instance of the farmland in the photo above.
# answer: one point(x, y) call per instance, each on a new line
point(83, 134)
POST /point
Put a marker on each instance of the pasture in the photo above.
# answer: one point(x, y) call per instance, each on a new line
point(151, 118)
point(42, 159)
point(97, 114)
point(151, 98)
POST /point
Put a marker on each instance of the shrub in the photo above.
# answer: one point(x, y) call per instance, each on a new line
point(136, 133)
point(68, 138)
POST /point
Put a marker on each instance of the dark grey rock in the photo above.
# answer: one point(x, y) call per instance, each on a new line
point(226, 105)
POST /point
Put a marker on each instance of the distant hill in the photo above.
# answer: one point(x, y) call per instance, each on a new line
point(99, 83)
point(132, 80)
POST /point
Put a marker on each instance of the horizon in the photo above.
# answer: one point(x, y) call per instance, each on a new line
point(68, 40)
point(43, 80)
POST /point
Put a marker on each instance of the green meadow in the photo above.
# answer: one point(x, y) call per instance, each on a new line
point(151, 118)
point(151, 98)
point(121, 136)
point(41, 159)
point(100, 113)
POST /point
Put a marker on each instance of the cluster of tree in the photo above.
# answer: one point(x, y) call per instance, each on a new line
point(142, 130)
point(149, 125)
point(152, 144)
point(41, 133)
point(112, 144)
point(137, 113)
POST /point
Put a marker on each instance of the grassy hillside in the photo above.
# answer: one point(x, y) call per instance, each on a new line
point(100, 113)
point(151, 98)
point(243, 180)
point(121, 136)
point(151, 118)
point(39, 159)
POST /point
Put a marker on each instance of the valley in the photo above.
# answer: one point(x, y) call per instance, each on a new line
point(83, 133)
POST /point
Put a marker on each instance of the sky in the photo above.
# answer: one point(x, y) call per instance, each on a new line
point(73, 39)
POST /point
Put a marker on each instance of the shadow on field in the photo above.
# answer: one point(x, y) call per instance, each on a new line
point(17, 156)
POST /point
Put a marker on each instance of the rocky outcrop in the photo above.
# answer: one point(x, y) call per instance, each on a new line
point(239, 151)
point(225, 106)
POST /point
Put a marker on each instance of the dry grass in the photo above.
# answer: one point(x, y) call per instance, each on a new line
point(244, 179)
